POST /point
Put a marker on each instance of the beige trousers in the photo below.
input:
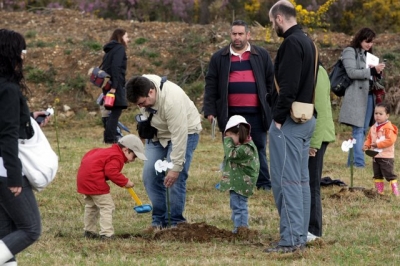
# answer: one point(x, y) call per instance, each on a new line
point(99, 206)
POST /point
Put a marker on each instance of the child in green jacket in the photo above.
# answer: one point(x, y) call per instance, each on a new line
point(240, 169)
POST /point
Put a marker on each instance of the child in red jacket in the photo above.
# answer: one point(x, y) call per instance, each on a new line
point(381, 138)
point(98, 166)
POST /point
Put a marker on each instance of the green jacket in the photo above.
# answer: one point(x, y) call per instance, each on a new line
point(241, 167)
point(324, 127)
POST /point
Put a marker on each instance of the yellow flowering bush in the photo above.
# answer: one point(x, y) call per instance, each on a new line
point(312, 19)
point(252, 6)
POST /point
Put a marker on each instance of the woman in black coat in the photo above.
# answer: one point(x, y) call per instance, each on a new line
point(20, 222)
point(114, 63)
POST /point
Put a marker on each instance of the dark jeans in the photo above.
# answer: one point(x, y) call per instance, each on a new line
point(110, 134)
point(20, 224)
point(315, 165)
point(259, 136)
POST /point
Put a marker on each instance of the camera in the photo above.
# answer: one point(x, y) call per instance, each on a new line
point(42, 117)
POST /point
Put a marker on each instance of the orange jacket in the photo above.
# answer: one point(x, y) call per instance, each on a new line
point(384, 136)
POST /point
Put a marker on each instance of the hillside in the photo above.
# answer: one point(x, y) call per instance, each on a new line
point(64, 44)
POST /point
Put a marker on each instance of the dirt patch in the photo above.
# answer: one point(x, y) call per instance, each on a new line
point(197, 232)
point(357, 192)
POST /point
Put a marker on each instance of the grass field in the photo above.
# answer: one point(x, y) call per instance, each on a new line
point(357, 230)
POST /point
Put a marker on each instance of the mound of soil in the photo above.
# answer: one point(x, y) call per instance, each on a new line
point(357, 192)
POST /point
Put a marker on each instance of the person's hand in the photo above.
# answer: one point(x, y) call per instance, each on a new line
point(129, 184)
point(379, 67)
point(365, 148)
point(374, 145)
point(15, 190)
point(312, 152)
point(171, 178)
point(42, 113)
point(233, 136)
point(113, 90)
point(210, 118)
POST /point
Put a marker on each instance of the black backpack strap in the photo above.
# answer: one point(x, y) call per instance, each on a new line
point(163, 80)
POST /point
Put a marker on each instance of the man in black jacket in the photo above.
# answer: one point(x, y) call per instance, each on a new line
point(289, 141)
point(238, 80)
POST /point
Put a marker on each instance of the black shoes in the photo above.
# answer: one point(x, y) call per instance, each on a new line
point(107, 238)
point(90, 235)
point(265, 188)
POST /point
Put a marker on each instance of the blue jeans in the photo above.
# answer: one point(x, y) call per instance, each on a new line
point(154, 182)
point(20, 224)
point(259, 136)
point(359, 134)
point(240, 212)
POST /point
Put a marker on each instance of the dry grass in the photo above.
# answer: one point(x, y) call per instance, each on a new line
point(357, 230)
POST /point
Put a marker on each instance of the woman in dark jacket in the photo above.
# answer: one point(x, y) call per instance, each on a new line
point(20, 224)
point(114, 63)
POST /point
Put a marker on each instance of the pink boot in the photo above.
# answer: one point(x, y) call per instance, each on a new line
point(395, 188)
point(379, 185)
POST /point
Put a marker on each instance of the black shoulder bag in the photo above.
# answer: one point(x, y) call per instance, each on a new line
point(144, 127)
point(339, 79)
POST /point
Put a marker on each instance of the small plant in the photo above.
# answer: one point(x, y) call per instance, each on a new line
point(77, 83)
point(157, 63)
point(347, 146)
point(30, 34)
point(153, 54)
point(141, 40)
point(69, 40)
point(164, 166)
point(41, 44)
point(93, 45)
point(37, 75)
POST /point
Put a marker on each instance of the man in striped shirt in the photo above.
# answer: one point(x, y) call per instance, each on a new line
point(238, 80)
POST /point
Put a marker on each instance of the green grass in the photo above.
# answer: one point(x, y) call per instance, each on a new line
point(140, 40)
point(357, 230)
point(92, 45)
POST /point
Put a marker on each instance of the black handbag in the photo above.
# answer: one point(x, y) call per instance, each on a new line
point(339, 79)
point(144, 127)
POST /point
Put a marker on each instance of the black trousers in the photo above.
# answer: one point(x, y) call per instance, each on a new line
point(315, 165)
point(110, 132)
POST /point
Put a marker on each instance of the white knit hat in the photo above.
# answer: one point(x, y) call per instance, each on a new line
point(235, 120)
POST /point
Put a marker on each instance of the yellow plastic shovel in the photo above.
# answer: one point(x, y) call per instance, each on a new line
point(140, 208)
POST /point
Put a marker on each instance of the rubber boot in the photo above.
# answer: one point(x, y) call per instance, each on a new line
point(5, 253)
point(395, 188)
point(379, 185)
